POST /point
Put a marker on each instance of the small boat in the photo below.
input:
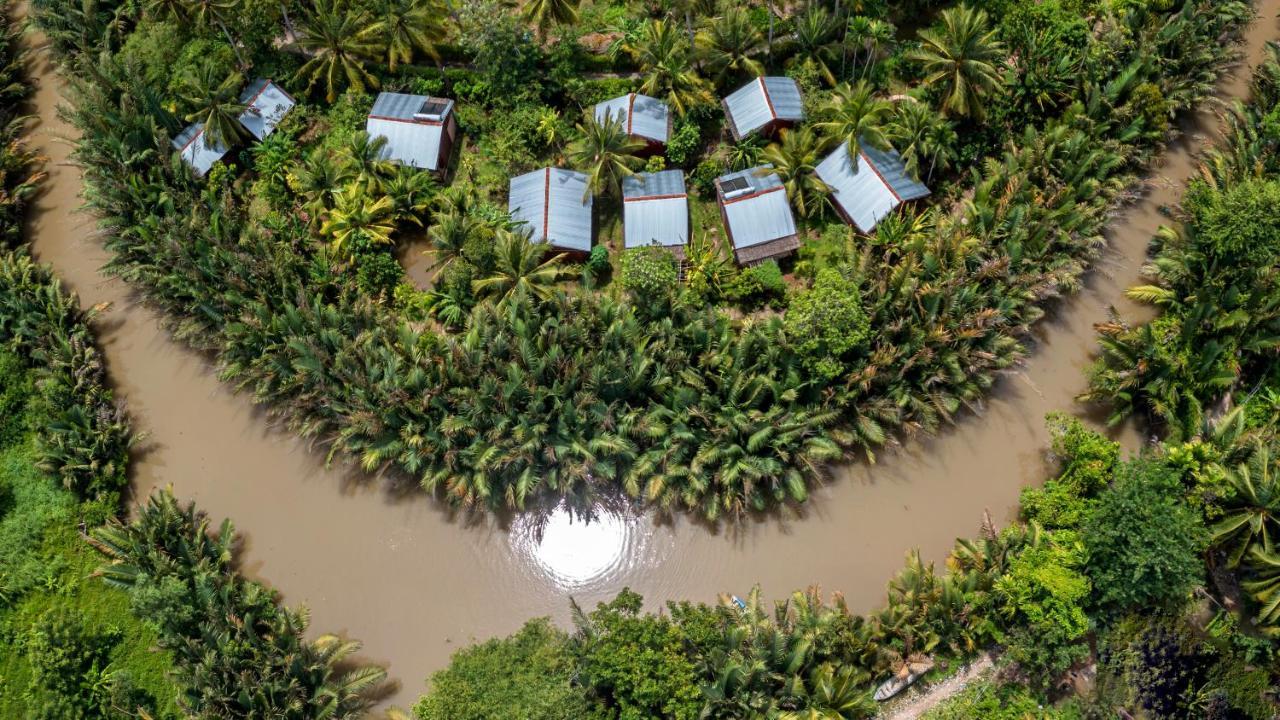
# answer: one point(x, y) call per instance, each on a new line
point(738, 601)
point(895, 685)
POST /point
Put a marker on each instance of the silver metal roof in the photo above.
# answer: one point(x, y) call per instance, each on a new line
point(266, 104)
point(413, 137)
point(763, 100)
point(641, 115)
point(195, 151)
point(759, 214)
point(549, 204)
point(870, 189)
point(894, 172)
point(655, 208)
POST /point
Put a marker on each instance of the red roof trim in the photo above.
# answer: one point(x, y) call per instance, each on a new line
point(546, 205)
point(876, 170)
point(672, 196)
point(433, 123)
point(193, 139)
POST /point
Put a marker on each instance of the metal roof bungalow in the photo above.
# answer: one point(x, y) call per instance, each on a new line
point(757, 215)
point(554, 205)
point(764, 105)
point(865, 191)
point(644, 118)
point(266, 104)
point(420, 130)
point(196, 152)
point(655, 210)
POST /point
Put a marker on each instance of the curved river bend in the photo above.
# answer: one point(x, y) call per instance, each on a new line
point(415, 583)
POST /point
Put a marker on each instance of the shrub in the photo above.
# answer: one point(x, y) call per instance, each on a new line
point(1237, 225)
point(826, 323)
point(1041, 595)
point(684, 142)
point(71, 677)
point(638, 662)
point(756, 286)
point(377, 273)
point(1087, 461)
point(651, 276)
point(527, 675)
point(704, 176)
point(597, 265)
point(1144, 541)
point(991, 701)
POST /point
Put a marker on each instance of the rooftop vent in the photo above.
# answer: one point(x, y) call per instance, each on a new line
point(734, 187)
point(432, 109)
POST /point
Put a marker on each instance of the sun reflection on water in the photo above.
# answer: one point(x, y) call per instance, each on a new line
point(576, 552)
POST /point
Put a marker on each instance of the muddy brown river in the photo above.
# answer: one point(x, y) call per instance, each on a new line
point(414, 583)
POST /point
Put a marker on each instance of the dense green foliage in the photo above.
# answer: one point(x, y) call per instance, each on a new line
point(526, 675)
point(505, 383)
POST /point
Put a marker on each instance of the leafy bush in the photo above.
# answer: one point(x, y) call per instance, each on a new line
point(1041, 595)
point(758, 285)
point(637, 661)
point(378, 273)
point(683, 145)
point(826, 323)
point(527, 675)
point(597, 265)
point(1238, 227)
point(1087, 461)
point(650, 274)
point(1144, 541)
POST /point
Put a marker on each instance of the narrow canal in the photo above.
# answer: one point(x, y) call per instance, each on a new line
point(414, 583)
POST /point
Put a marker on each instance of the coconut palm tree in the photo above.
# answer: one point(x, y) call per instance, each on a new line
point(215, 100)
point(542, 14)
point(338, 40)
point(405, 27)
point(854, 115)
point(314, 180)
point(606, 153)
point(870, 36)
point(834, 695)
point(663, 55)
point(365, 161)
point(814, 41)
point(923, 137)
point(960, 58)
point(794, 160)
point(1264, 586)
point(1251, 515)
point(731, 46)
point(354, 215)
point(522, 270)
point(411, 192)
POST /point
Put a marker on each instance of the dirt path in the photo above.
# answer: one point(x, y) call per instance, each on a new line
point(914, 705)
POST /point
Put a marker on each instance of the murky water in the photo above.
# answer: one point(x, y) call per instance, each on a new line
point(415, 583)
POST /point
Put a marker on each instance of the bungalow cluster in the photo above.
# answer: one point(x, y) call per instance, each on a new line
point(554, 206)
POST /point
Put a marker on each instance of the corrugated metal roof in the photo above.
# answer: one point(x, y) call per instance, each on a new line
point(763, 100)
point(411, 140)
point(760, 215)
point(655, 209)
point(199, 155)
point(641, 115)
point(266, 104)
point(870, 190)
point(890, 166)
point(549, 203)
